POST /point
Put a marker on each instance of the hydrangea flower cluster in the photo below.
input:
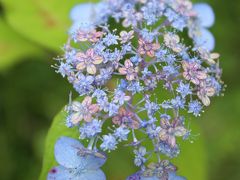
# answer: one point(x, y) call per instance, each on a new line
point(139, 66)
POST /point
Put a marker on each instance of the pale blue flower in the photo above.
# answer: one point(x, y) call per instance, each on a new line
point(136, 59)
point(147, 35)
point(169, 151)
point(113, 109)
point(206, 39)
point(90, 129)
point(135, 87)
point(179, 23)
point(110, 39)
point(64, 69)
point(161, 54)
point(84, 84)
point(205, 14)
point(85, 16)
point(207, 18)
point(99, 94)
point(184, 89)
point(139, 156)
point(170, 70)
point(109, 143)
point(120, 97)
point(104, 76)
point(152, 131)
point(151, 107)
point(121, 133)
point(178, 102)
point(195, 107)
point(123, 84)
point(76, 162)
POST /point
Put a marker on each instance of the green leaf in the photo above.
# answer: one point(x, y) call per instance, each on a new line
point(13, 48)
point(57, 130)
point(45, 21)
point(192, 161)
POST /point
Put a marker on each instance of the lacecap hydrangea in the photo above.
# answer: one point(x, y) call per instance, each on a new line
point(139, 67)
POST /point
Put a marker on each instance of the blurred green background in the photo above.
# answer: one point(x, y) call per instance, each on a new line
point(31, 93)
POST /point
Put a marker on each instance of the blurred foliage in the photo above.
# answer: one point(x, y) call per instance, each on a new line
point(31, 94)
point(13, 47)
point(44, 22)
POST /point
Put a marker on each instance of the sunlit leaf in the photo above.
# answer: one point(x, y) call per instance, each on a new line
point(45, 21)
point(13, 47)
point(57, 129)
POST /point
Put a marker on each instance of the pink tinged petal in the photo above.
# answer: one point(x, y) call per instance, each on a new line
point(122, 71)
point(214, 55)
point(136, 69)
point(171, 141)
point(134, 124)
point(201, 75)
point(97, 60)
point(141, 50)
point(93, 108)
point(186, 75)
point(126, 23)
point(93, 39)
point(130, 77)
point(128, 64)
point(81, 66)
point(90, 53)
point(76, 106)
point(163, 135)
point(91, 69)
point(127, 98)
point(151, 53)
point(165, 123)
point(185, 65)
point(80, 56)
point(81, 38)
point(140, 42)
point(76, 118)
point(156, 46)
point(195, 81)
point(210, 91)
point(122, 112)
point(180, 131)
point(116, 120)
point(87, 101)
point(87, 118)
point(206, 101)
point(99, 34)
point(131, 33)
point(177, 49)
point(123, 33)
point(204, 98)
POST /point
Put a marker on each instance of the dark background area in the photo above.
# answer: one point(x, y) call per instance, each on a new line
point(31, 93)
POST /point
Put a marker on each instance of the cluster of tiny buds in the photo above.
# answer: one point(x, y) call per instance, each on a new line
point(140, 82)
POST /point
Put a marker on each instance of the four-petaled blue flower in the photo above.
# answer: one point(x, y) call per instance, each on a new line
point(76, 162)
